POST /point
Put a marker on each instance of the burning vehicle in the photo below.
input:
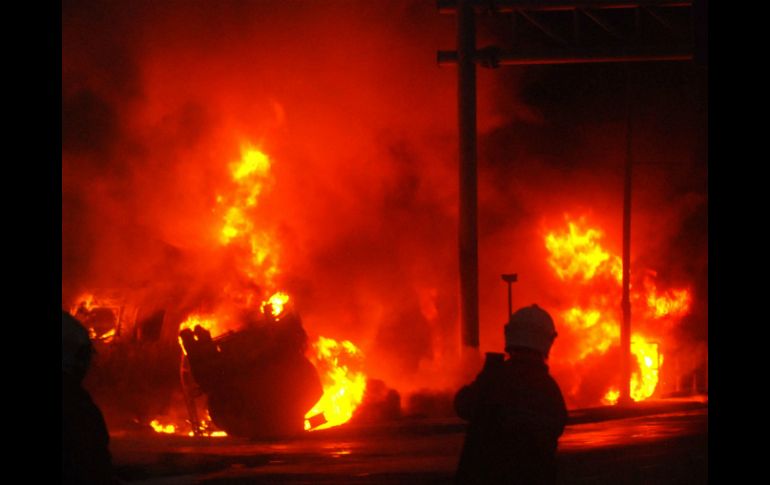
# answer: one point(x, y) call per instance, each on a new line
point(258, 381)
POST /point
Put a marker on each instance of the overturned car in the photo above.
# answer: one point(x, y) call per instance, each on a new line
point(258, 382)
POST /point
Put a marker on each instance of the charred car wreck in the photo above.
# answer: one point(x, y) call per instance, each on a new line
point(258, 382)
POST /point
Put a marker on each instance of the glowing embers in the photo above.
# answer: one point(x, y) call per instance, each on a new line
point(577, 253)
point(176, 429)
point(339, 365)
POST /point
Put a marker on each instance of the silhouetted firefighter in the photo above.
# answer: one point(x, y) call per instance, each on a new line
point(515, 409)
point(258, 382)
point(86, 457)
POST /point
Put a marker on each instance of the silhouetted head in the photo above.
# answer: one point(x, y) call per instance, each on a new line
point(530, 328)
point(76, 348)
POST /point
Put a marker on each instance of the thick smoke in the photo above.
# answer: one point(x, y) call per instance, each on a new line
point(360, 123)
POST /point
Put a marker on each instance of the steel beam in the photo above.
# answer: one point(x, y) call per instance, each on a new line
point(507, 6)
point(496, 57)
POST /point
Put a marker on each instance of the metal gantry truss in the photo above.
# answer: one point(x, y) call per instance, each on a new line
point(564, 32)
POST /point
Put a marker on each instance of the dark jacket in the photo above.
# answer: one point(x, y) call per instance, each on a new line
point(516, 414)
point(86, 457)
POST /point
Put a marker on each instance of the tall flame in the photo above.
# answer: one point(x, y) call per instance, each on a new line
point(338, 363)
point(577, 257)
point(344, 383)
point(250, 176)
point(643, 383)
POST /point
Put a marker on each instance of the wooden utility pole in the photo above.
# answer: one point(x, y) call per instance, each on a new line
point(467, 225)
point(625, 328)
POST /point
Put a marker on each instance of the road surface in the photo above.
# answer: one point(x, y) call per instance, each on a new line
point(664, 445)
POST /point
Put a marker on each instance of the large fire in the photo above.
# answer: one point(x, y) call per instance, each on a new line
point(250, 176)
point(578, 258)
point(339, 363)
point(577, 253)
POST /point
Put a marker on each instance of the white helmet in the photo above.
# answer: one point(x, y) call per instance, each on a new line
point(530, 327)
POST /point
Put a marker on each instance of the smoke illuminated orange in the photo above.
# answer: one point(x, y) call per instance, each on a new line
point(339, 365)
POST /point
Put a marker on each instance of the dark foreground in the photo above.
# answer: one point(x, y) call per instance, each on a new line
point(658, 443)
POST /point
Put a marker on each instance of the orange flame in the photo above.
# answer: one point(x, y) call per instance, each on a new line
point(160, 428)
point(343, 382)
point(276, 303)
point(598, 331)
point(577, 256)
point(86, 300)
point(644, 382)
point(612, 396)
point(577, 253)
point(672, 303)
point(210, 323)
point(175, 429)
point(250, 175)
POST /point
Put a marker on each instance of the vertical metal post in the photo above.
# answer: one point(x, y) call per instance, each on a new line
point(625, 329)
point(510, 279)
point(467, 225)
point(510, 302)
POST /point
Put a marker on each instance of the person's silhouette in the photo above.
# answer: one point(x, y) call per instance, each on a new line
point(515, 409)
